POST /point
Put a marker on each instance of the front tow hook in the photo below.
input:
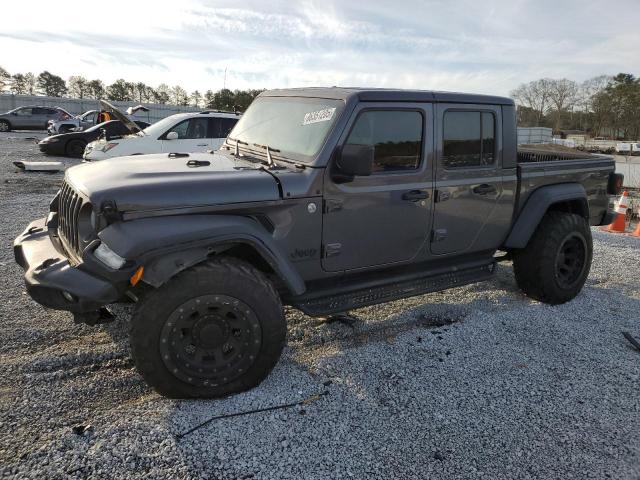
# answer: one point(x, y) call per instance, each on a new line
point(102, 315)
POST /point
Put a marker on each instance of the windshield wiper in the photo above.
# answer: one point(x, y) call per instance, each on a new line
point(238, 142)
point(270, 161)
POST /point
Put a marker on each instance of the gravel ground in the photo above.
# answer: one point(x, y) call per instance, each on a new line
point(475, 382)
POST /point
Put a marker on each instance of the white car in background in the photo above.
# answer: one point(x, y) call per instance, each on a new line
point(180, 133)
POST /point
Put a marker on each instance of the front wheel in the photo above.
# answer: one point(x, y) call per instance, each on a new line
point(75, 148)
point(5, 126)
point(215, 329)
point(554, 265)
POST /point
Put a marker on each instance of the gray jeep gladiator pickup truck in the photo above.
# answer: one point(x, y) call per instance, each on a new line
point(325, 199)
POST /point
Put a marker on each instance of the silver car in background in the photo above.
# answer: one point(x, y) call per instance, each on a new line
point(31, 118)
point(78, 123)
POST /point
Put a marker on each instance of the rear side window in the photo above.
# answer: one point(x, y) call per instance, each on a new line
point(220, 127)
point(226, 125)
point(469, 139)
point(396, 137)
point(117, 128)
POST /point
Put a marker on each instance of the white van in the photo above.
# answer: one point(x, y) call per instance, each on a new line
point(623, 148)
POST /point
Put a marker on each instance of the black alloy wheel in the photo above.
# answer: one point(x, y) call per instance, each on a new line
point(210, 340)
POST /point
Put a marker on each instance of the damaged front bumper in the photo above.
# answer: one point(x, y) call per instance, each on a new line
point(54, 283)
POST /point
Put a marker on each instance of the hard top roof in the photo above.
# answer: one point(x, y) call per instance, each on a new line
point(387, 95)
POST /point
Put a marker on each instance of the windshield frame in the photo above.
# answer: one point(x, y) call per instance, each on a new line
point(276, 151)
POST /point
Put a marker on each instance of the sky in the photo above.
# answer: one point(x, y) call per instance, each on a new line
point(477, 46)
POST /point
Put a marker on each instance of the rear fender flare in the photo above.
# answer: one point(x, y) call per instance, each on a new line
point(538, 203)
point(167, 245)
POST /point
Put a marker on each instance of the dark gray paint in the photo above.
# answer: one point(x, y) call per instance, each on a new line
point(537, 205)
point(468, 221)
point(151, 239)
point(170, 216)
point(138, 183)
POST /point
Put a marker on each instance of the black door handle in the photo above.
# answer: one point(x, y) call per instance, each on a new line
point(415, 195)
point(485, 189)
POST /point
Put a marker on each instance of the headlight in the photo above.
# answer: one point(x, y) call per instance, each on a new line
point(109, 257)
point(108, 146)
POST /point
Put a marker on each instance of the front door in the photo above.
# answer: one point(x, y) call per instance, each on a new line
point(384, 218)
point(22, 118)
point(193, 136)
point(469, 203)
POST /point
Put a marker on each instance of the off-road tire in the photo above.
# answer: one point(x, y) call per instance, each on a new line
point(229, 285)
point(5, 126)
point(544, 269)
point(75, 148)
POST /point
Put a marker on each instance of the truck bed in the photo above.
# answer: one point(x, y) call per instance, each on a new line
point(538, 167)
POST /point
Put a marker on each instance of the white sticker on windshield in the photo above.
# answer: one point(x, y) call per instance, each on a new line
point(318, 116)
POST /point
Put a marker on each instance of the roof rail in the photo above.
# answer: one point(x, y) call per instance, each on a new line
point(236, 112)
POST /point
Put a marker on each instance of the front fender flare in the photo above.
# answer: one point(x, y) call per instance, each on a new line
point(537, 205)
point(168, 245)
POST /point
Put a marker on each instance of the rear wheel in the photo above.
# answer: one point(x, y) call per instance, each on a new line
point(556, 262)
point(215, 329)
point(5, 126)
point(75, 148)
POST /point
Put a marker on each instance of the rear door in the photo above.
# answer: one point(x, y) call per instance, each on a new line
point(39, 117)
point(471, 208)
point(193, 136)
point(225, 125)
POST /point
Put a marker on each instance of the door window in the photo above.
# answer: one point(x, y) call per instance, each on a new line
point(469, 139)
point(396, 137)
point(190, 129)
point(24, 112)
point(226, 125)
point(220, 127)
point(116, 129)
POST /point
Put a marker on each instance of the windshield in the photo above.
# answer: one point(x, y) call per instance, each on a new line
point(295, 126)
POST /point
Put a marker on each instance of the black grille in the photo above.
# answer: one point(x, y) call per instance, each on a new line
point(69, 207)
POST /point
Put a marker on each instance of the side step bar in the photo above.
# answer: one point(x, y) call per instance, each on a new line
point(321, 306)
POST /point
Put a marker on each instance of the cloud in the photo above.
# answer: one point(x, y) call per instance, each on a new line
point(447, 45)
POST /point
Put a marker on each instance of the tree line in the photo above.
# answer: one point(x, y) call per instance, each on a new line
point(603, 106)
point(46, 83)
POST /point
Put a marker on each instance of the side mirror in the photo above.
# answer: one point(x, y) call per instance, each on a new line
point(172, 136)
point(356, 160)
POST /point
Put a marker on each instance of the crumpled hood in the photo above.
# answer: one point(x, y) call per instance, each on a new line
point(157, 182)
